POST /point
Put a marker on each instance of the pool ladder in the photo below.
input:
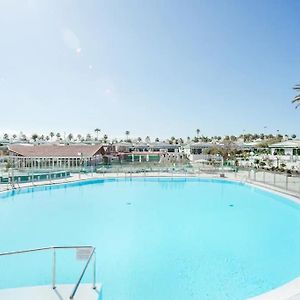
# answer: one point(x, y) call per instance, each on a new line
point(14, 185)
point(83, 252)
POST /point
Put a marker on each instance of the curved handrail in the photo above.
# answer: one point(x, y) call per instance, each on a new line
point(93, 253)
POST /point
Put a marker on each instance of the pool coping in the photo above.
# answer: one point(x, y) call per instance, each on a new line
point(287, 291)
point(294, 196)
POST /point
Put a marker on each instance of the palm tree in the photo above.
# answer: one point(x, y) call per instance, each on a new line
point(105, 137)
point(51, 135)
point(23, 136)
point(34, 136)
point(297, 97)
point(198, 132)
point(97, 130)
point(70, 137)
point(5, 136)
point(127, 133)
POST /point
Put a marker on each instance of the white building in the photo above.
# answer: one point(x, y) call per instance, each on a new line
point(163, 147)
point(197, 152)
point(290, 147)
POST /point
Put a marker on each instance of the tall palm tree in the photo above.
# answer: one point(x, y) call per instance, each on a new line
point(198, 132)
point(97, 130)
point(51, 135)
point(296, 100)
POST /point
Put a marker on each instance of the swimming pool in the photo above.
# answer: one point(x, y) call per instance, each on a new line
point(156, 238)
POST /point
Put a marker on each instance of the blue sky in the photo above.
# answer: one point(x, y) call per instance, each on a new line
point(157, 68)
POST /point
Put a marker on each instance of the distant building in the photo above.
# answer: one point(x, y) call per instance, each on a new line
point(290, 147)
point(196, 148)
point(121, 147)
point(140, 147)
point(144, 152)
point(249, 146)
point(56, 156)
point(3, 147)
point(163, 147)
point(198, 151)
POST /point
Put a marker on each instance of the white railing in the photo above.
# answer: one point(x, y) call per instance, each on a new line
point(91, 254)
point(283, 181)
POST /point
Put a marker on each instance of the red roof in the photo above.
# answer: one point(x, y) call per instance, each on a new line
point(55, 150)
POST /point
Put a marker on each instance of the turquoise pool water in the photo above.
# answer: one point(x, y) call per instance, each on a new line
point(162, 239)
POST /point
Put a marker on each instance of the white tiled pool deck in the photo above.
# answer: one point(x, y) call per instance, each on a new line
point(62, 292)
point(289, 291)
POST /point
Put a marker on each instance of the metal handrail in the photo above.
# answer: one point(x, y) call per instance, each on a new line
point(83, 272)
point(54, 248)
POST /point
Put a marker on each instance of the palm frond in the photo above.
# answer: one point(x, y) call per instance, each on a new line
point(297, 87)
point(296, 99)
